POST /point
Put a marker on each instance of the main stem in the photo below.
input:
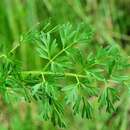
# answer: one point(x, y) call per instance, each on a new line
point(53, 73)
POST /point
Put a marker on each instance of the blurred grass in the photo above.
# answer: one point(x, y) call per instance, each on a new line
point(111, 21)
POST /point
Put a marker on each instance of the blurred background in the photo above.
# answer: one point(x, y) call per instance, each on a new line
point(111, 21)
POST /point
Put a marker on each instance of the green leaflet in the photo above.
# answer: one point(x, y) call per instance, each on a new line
point(120, 79)
point(67, 34)
point(57, 115)
point(89, 90)
point(107, 98)
point(46, 95)
point(46, 110)
point(74, 97)
point(47, 47)
point(71, 35)
point(76, 106)
point(61, 64)
point(96, 73)
point(71, 93)
point(87, 109)
point(44, 90)
point(84, 107)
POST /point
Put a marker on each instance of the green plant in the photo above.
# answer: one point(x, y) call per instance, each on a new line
point(74, 72)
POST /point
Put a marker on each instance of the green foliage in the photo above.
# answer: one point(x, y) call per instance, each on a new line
point(68, 77)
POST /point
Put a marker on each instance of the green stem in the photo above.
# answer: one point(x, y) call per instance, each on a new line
point(53, 73)
point(3, 56)
point(67, 74)
point(13, 49)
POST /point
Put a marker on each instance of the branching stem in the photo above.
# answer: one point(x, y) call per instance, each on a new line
point(53, 73)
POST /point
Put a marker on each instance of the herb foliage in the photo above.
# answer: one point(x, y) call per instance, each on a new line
point(71, 75)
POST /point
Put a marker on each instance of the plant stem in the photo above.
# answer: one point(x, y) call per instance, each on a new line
point(13, 49)
point(53, 73)
point(3, 55)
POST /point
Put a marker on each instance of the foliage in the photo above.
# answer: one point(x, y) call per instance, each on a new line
point(70, 75)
